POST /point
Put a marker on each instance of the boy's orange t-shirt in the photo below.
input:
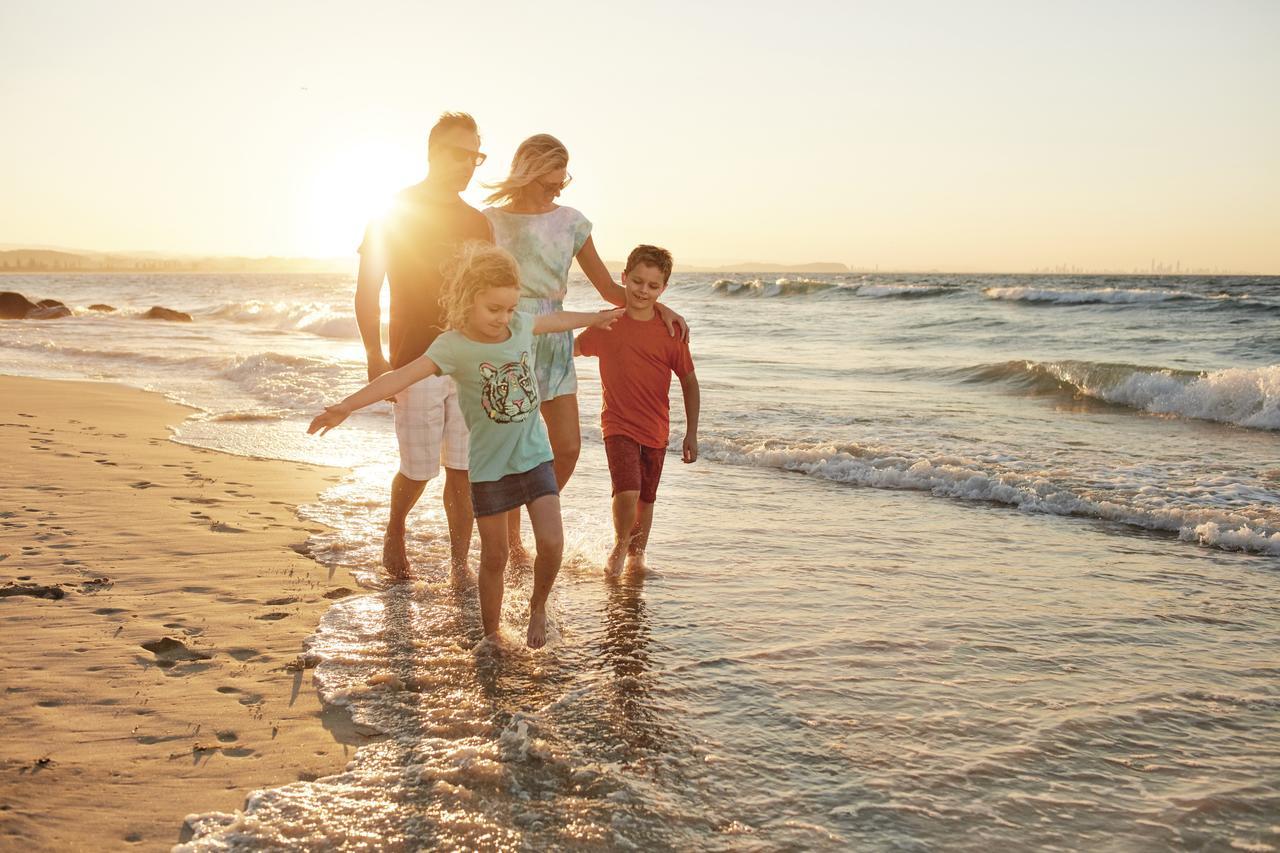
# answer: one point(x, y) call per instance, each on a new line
point(637, 358)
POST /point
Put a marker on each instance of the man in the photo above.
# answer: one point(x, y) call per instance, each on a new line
point(425, 226)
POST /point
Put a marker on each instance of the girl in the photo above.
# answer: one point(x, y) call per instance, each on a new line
point(545, 238)
point(490, 352)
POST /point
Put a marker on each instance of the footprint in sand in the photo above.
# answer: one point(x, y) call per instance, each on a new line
point(279, 602)
point(169, 651)
point(246, 699)
point(272, 617)
point(223, 527)
point(142, 484)
point(338, 592)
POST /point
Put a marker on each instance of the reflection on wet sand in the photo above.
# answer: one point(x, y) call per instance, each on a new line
point(625, 648)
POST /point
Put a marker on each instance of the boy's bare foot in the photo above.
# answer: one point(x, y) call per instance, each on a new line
point(394, 557)
point(537, 627)
point(518, 557)
point(636, 563)
point(613, 568)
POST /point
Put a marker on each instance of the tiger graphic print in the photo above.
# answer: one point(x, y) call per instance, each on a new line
point(509, 393)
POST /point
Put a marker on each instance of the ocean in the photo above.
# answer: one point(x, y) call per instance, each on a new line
point(968, 562)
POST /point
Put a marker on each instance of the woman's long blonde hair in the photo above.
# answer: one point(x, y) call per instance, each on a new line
point(477, 267)
point(538, 155)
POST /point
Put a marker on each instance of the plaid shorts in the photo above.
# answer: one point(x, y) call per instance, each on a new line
point(430, 428)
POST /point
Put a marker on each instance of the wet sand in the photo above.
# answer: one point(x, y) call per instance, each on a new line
point(154, 599)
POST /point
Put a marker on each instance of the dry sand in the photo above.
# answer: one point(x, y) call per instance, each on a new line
point(165, 679)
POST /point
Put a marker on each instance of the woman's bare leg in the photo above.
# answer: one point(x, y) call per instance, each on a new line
point(561, 418)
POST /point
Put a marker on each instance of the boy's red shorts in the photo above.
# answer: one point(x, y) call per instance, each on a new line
point(634, 467)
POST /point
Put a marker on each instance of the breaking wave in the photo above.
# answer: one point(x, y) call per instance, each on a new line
point(1246, 397)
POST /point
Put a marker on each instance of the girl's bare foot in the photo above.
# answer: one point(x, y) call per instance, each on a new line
point(537, 627)
point(636, 563)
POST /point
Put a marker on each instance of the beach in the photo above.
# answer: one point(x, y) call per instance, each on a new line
point(152, 667)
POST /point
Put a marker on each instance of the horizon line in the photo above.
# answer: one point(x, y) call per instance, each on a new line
point(1159, 269)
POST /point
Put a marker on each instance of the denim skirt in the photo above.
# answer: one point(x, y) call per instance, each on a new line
point(513, 490)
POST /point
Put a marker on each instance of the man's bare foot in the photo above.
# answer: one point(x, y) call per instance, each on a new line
point(518, 556)
point(613, 567)
point(636, 563)
point(537, 627)
point(394, 557)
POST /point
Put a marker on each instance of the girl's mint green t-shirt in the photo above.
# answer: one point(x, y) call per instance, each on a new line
point(499, 399)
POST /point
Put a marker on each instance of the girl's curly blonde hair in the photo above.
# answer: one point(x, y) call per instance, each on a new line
point(536, 156)
point(477, 267)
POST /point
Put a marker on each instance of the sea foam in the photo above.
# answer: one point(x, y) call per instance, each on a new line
point(1239, 520)
point(317, 318)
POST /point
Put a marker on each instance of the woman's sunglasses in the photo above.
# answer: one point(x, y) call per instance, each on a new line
point(555, 186)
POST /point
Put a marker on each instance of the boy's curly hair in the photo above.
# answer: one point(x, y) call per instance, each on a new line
point(654, 256)
point(477, 267)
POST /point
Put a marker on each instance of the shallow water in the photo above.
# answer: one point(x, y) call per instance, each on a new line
point(968, 562)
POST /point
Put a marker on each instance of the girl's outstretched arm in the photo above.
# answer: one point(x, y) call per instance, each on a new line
point(615, 294)
point(386, 385)
point(563, 321)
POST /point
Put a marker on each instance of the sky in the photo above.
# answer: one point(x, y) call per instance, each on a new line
point(977, 136)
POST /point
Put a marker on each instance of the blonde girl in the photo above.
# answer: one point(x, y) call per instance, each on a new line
point(489, 351)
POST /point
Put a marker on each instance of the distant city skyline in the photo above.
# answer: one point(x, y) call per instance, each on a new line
point(993, 136)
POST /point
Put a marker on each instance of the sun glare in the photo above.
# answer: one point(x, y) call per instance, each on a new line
point(348, 189)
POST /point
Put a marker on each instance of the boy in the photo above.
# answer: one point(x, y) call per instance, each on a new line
point(637, 359)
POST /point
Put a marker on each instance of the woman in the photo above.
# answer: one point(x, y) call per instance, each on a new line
point(545, 237)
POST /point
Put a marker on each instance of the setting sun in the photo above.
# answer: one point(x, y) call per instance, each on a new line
point(346, 189)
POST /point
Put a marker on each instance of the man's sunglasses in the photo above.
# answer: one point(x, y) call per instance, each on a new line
point(462, 155)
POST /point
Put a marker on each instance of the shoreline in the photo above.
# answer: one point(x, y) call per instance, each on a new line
point(154, 598)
